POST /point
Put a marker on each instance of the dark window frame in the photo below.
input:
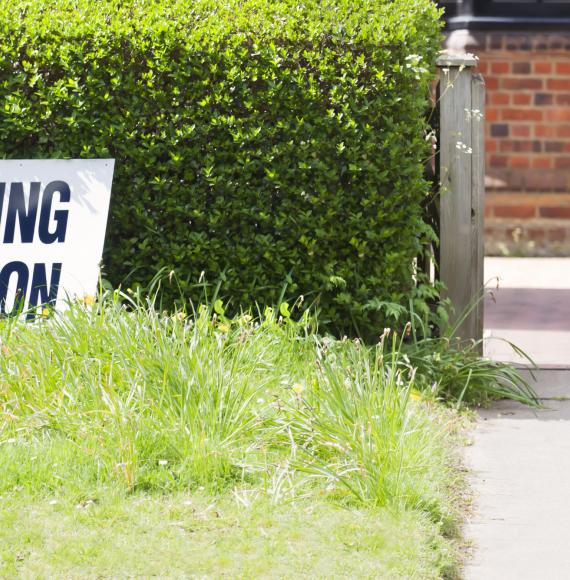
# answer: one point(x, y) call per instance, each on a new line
point(490, 14)
point(521, 9)
point(450, 9)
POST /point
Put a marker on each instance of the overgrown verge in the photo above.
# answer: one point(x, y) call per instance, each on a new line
point(261, 142)
point(113, 397)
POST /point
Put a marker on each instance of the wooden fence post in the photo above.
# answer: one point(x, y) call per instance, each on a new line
point(462, 188)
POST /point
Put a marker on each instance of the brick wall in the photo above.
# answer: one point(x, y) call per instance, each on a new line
point(527, 139)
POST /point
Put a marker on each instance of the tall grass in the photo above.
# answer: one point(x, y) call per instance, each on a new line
point(155, 400)
point(117, 393)
point(364, 428)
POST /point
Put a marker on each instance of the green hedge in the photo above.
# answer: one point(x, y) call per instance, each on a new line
point(259, 141)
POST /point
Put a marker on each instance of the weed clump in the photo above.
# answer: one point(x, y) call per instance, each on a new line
point(114, 392)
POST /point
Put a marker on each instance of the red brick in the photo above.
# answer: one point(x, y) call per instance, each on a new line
point(518, 84)
point(553, 146)
point(522, 99)
point(515, 211)
point(540, 180)
point(558, 84)
point(556, 234)
point(555, 212)
point(562, 163)
point(563, 100)
point(491, 115)
point(535, 234)
point(521, 68)
point(542, 162)
point(488, 211)
point(492, 83)
point(563, 131)
point(490, 145)
point(499, 98)
point(545, 131)
point(557, 115)
point(482, 67)
point(520, 130)
point(542, 68)
point(498, 160)
point(500, 68)
point(563, 68)
point(521, 114)
point(521, 146)
point(519, 161)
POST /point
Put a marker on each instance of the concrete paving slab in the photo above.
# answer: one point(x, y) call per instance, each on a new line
point(547, 273)
point(547, 348)
point(520, 465)
point(520, 457)
point(548, 384)
point(530, 308)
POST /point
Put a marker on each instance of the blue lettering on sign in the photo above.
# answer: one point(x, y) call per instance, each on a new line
point(31, 285)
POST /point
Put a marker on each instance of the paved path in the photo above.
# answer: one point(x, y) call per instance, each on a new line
point(520, 462)
point(530, 308)
point(520, 458)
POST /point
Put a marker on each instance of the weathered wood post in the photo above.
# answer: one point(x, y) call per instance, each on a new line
point(462, 187)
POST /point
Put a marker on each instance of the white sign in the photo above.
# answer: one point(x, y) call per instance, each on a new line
point(53, 215)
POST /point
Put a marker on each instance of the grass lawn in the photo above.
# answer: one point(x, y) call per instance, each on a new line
point(193, 534)
point(134, 442)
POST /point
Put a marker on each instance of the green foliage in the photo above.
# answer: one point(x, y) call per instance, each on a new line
point(360, 429)
point(112, 397)
point(129, 397)
point(259, 142)
point(116, 393)
point(201, 536)
point(455, 371)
